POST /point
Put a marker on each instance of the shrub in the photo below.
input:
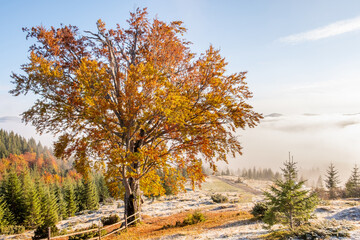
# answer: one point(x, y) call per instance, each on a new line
point(259, 210)
point(219, 198)
point(112, 219)
point(238, 180)
point(191, 219)
point(12, 229)
point(194, 218)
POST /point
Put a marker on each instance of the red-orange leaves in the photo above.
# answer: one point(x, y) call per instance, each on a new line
point(135, 99)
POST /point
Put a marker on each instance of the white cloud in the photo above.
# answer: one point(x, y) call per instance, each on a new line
point(311, 122)
point(330, 30)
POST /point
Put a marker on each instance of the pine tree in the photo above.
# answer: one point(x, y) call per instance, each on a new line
point(49, 214)
point(6, 216)
point(32, 201)
point(288, 203)
point(91, 200)
point(61, 203)
point(79, 196)
point(332, 181)
point(50, 209)
point(14, 196)
point(319, 183)
point(353, 184)
point(103, 190)
point(70, 199)
point(33, 216)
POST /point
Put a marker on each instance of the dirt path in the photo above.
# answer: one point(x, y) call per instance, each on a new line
point(242, 186)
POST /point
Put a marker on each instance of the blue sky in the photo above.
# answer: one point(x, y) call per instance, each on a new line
point(250, 35)
point(301, 56)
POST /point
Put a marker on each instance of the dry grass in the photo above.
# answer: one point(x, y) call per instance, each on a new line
point(152, 227)
point(215, 185)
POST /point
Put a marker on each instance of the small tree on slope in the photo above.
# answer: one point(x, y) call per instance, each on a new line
point(353, 184)
point(332, 181)
point(288, 202)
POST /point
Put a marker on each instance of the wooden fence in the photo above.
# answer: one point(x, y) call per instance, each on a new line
point(114, 228)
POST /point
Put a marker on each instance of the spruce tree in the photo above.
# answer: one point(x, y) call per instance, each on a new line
point(14, 196)
point(319, 183)
point(6, 216)
point(103, 190)
point(353, 184)
point(288, 202)
point(33, 216)
point(61, 203)
point(49, 214)
point(332, 181)
point(91, 200)
point(70, 199)
point(79, 195)
point(50, 209)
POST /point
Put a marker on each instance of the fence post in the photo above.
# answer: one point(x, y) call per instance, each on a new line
point(99, 230)
point(49, 233)
point(125, 220)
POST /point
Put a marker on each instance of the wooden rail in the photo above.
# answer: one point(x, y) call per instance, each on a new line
point(99, 229)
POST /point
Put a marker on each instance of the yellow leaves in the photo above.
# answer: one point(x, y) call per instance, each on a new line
point(195, 173)
point(151, 185)
point(43, 67)
point(140, 106)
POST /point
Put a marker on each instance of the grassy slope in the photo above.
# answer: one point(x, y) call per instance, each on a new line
point(216, 185)
point(151, 228)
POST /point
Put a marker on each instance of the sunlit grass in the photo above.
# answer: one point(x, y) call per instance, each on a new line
point(153, 227)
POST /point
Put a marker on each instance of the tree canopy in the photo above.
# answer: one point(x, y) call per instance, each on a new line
point(136, 99)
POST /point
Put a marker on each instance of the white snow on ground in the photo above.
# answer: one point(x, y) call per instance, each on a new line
point(176, 204)
point(232, 231)
point(91, 217)
point(339, 210)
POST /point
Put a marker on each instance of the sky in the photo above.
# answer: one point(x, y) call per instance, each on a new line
point(302, 59)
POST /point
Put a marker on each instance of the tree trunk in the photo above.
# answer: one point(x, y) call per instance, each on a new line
point(132, 198)
point(291, 219)
point(132, 201)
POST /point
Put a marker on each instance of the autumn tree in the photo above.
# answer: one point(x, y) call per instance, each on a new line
point(136, 99)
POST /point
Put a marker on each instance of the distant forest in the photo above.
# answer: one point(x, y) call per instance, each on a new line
point(11, 143)
point(249, 173)
point(37, 190)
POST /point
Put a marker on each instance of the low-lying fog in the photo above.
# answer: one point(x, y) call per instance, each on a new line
point(314, 140)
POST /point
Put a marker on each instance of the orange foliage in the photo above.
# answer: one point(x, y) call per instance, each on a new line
point(135, 98)
point(32, 161)
point(13, 160)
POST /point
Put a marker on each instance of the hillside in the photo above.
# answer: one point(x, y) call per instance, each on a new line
point(37, 190)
